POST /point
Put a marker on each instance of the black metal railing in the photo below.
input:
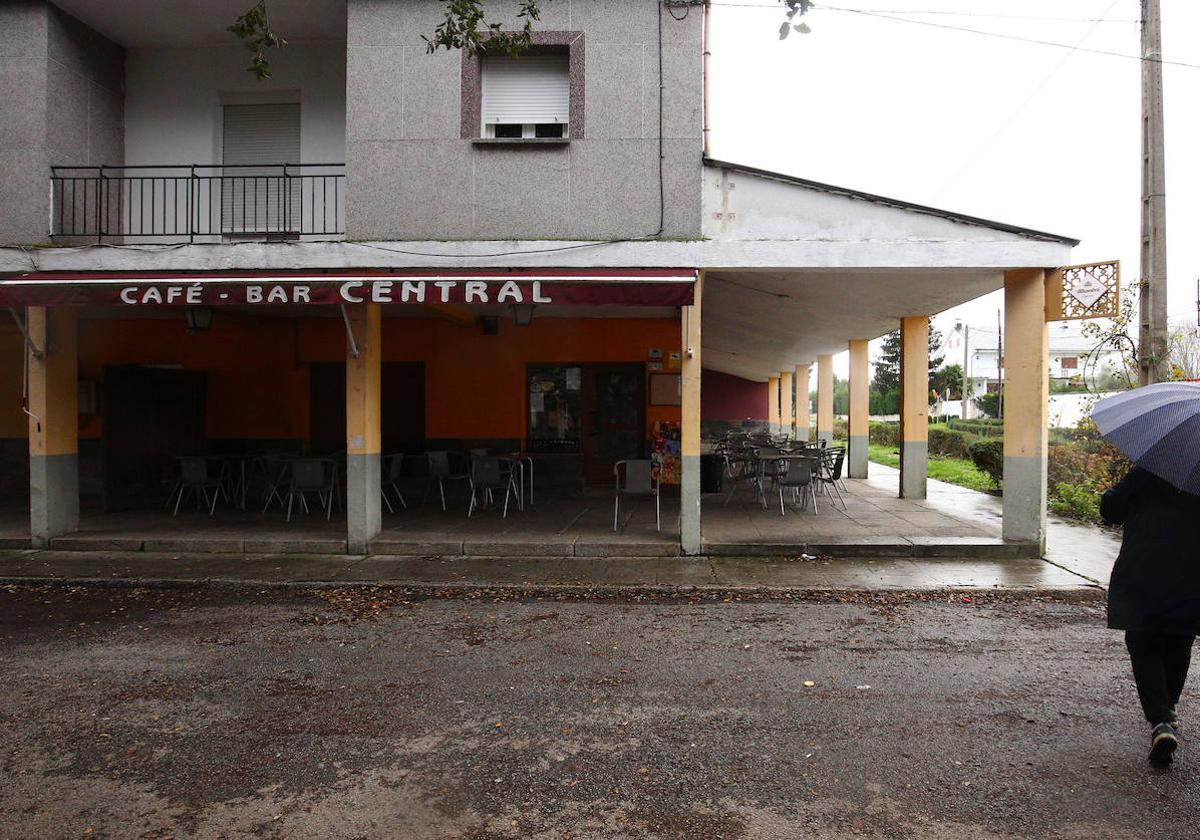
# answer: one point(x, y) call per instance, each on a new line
point(198, 202)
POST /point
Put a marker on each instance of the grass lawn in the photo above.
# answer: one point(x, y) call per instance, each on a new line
point(951, 470)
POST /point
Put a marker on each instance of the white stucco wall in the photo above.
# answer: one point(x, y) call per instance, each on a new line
point(173, 100)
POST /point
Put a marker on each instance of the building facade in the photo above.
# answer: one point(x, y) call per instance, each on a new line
point(383, 250)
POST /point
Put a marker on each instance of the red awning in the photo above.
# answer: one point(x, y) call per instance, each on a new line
point(582, 287)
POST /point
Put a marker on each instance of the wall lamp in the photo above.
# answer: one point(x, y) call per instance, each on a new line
point(198, 318)
point(522, 314)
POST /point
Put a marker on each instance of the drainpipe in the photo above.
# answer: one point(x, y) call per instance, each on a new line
point(704, 57)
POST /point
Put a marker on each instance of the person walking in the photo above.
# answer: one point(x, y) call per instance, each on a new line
point(1154, 594)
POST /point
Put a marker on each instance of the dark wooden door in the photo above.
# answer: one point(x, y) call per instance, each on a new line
point(402, 407)
point(327, 408)
point(402, 412)
point(149, 416)
point(614, 412)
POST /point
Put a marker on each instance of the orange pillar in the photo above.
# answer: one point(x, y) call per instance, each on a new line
point(860, 414)
point(914, 406)
point(363, 431)
point(53, 423)
point(825, 398)
point(1026, 393)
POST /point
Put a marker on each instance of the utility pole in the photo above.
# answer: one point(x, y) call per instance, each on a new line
point(999, 365)
point(1152, 302)
point(966, 370)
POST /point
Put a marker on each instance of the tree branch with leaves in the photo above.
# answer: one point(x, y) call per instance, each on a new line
point(254, 28)
point(465, 26)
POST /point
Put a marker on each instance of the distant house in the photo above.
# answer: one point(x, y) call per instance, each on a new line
point(1073, 359)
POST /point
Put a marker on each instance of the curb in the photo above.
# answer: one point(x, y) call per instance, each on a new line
point(533, 590)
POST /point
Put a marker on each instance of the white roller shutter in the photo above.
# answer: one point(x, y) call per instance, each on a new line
point(259, 139)
point(529, 90)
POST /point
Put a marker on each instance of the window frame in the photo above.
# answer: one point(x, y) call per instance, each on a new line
point(543, 43)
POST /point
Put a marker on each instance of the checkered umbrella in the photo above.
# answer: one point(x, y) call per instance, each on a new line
point(1158, 428)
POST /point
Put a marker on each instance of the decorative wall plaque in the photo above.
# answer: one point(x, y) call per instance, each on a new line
point(1084, 291)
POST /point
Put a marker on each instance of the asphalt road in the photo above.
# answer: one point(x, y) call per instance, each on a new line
point(135, 713)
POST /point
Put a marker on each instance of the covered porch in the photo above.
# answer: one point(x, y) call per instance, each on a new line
point(875, 522)
point(791, 273)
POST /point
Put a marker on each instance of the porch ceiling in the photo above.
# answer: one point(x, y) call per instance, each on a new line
point(170, 23)
point(756, 324)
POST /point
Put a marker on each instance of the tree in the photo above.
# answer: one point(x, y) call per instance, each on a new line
point(1113, 335)
point(465, 27)
point(947, 381)
point(887, 364)
point(841, 395)
point(254, 27)
point(989, 404)
point(1184, 348)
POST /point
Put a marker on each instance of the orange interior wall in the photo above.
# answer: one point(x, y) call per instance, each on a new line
point(13, 423)
point(257, 388)
point(258, 367)
point(475, 384)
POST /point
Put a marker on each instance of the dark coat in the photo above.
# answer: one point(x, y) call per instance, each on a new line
point(1155, 583)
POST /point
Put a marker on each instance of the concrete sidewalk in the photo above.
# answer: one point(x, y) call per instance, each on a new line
point(1086, 550)
point(531, 574)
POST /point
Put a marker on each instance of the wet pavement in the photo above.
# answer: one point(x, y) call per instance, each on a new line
point(373, 713)
point(797, 572)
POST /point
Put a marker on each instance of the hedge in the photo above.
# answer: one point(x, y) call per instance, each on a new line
point(950, 442)
point(982, 427)
point(884, 434)
point(988, 456)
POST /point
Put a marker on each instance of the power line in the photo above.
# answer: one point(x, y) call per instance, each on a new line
point(1001, 35)
point(1046, 18)
point(1007, 37)
point(1017, 112)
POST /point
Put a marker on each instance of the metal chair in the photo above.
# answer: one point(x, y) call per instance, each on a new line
point(638, 478)
point(312, 475)
point(488, 475)
point(440, 473)
point(392, 467)
point(830, 475)
point(800, 478)
point(742, 467)
point(194, 476)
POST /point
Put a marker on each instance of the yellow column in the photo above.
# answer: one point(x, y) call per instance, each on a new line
point(1026, 393)
point(787, 414)
point(690, 540)
point(363, 431)
point(803, 409)
point(860, 409)
point(773, 405)
point(825, 398)
point(53, 424)
point(914, 406)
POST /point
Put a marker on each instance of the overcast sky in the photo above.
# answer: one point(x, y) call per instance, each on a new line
point(1032, 135)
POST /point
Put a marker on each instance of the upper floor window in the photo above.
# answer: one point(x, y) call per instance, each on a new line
point(525, 98)
point(257, 197)
point(1069, 363)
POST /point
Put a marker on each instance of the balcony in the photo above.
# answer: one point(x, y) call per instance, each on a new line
point(197, 203)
